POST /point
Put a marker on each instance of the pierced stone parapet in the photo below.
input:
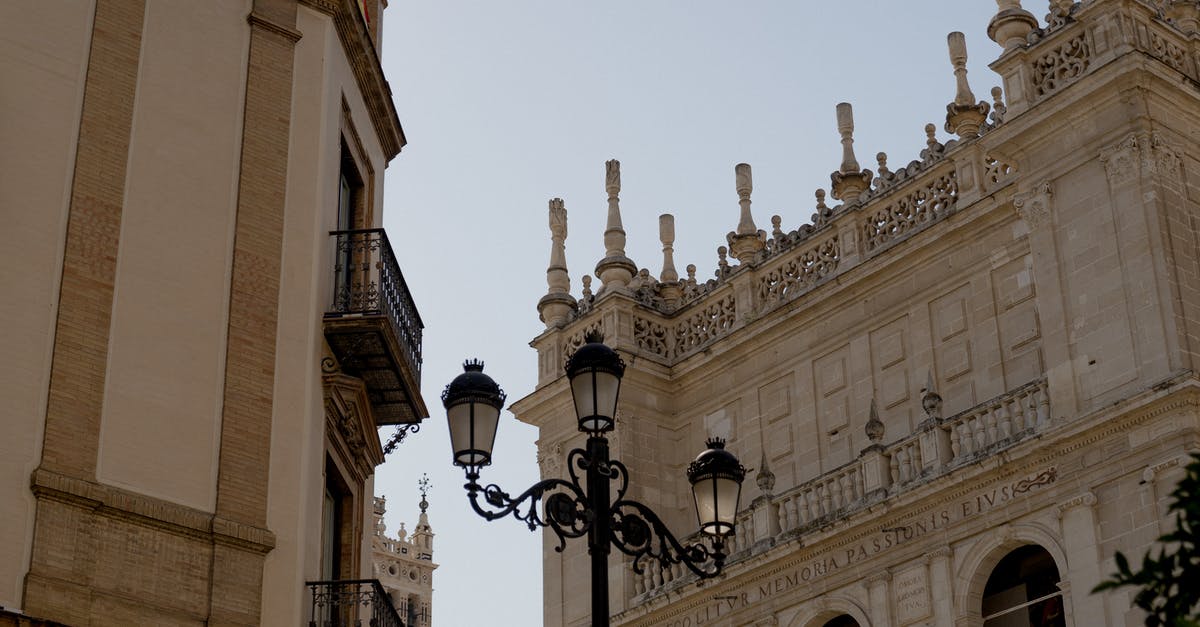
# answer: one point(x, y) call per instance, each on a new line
point(652, 337)
point(996, 171)
point(576, 339)
point(799, 273)
point(712, 321)
point(929, 202)
point(1060, 66)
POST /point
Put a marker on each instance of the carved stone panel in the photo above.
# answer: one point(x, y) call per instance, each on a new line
point(911, 593)
point(831, 382)
point(1017, 320)
point(889, 363)
point(953, 355)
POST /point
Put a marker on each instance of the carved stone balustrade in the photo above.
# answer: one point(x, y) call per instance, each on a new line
point(917, 459)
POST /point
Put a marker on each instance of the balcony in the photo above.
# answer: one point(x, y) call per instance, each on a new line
point(372, 325)
point(352, 603)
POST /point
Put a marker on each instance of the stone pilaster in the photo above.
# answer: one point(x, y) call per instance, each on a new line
point(1035, 208)
point(1078, 518)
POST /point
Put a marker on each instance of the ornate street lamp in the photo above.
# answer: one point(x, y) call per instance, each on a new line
point(573, 508)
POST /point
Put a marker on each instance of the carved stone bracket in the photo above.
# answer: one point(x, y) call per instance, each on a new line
point(1120, 160)
point(1034, 206)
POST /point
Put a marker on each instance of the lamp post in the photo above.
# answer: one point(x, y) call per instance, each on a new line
point(572, 508)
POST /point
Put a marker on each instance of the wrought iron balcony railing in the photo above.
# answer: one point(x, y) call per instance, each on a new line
point(352, 603)
point(368, 281)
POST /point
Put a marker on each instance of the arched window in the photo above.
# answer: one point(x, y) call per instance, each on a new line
point(845, 620)
point(1023, 591)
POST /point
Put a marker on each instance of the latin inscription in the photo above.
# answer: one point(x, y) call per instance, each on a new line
point(912, 595)
point(915, 592)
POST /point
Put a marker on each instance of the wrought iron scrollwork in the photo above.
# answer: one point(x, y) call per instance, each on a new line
point(398, 436)
point(367, 280)
point(352, 602)
point(554, 503)
point(639, 533)
point(562, 505)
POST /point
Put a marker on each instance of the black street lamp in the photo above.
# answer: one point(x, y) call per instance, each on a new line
point(572, 508)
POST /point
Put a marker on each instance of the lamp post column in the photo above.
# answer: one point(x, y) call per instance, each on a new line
point(600, 534)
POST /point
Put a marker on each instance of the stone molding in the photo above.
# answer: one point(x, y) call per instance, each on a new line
point(368, 73)
point(148, 511)
point(1086, 499)
point(257, 19)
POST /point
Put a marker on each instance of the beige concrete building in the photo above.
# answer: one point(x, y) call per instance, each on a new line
point(404, 564)
point(962, 388)
point(203, 323)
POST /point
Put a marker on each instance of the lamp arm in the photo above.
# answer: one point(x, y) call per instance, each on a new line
point(554, 503)
point(640, 533)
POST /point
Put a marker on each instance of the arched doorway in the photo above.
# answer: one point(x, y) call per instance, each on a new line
point(1023, 591)
point(845, 620)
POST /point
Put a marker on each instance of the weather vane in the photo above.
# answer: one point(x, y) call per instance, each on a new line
point(424, 484)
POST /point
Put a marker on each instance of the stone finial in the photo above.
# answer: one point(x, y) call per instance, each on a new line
point(881, 165)
point(1011, 25)
point(556, 306)
point(722, 261)
point(745, 242)
point(764, 478)
point(998, 107)
point(1060, 12)
point(964, 116)
point(845, 124)
point(666, 235)
point(933, 148)
point(777, 228)
point(822, 212)
point(848, 182)
point(587, 286)
point(615, 270)
point(931, 401)
point(874, 426)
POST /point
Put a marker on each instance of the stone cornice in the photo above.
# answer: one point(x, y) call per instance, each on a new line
point(118, 503)
point(368, 72)
point(266, 23)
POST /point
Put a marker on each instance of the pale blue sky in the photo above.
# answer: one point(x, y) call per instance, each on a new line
point(509, 103)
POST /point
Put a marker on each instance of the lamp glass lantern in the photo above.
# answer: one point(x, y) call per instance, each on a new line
point(716, 477)
point(473, 402)
point(595, 372)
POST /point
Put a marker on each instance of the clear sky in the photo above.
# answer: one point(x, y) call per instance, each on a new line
point(507, 103)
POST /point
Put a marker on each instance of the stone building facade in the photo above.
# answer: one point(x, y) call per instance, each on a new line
point(962, 388)
point(404, 565)
point(203, 322)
